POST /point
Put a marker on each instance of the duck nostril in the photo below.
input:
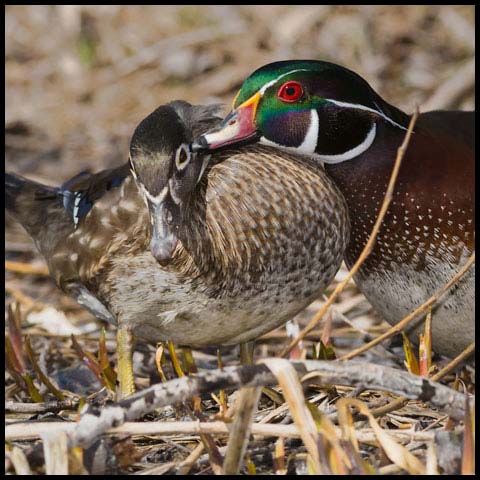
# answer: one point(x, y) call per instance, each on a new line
point(232, 122)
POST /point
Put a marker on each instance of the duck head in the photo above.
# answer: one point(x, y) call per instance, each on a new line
point(166, 170)
point(314, 108)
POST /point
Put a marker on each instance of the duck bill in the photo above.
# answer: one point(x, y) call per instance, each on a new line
point(163, 237)
point(237, 128)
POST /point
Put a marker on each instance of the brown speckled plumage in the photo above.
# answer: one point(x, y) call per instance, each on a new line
point(264, 235)
point(254, 251)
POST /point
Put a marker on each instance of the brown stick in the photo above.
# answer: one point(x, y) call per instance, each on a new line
point(454, 363)
point(44, 407)
point(240, 430)
point(186, 465)
point(376, 377)
point(368, 246)
point(32, 431)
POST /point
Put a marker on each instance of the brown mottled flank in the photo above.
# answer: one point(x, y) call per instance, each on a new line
point(265, 235)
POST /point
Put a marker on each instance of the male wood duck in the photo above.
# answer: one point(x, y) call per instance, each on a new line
point(196, 249)
point(330, 114)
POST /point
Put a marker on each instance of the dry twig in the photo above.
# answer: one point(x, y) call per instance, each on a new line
point(377, 377)
point(26, 268)
point(409, 318)
point(44, 407)
point(367, 249)
point(30, 431)
point(240, 432)
point(401, 401)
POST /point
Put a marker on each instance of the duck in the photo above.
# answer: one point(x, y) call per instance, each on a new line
point(197, 249)
point(327, 113)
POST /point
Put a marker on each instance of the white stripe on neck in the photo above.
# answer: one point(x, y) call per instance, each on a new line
point(309, 143)
point(354, 152)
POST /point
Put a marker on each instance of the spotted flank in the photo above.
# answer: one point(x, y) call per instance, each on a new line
point(329, 114)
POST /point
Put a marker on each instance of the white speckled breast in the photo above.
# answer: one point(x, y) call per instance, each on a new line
point(396, 292)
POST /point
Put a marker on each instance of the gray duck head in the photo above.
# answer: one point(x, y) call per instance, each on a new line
point(166, 170)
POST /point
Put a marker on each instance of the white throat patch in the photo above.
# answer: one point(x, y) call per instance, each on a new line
point(309, 143)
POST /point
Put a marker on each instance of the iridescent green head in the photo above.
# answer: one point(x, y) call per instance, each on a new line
point(315, 108)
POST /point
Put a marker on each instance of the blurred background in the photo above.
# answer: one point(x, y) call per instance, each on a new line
point(80, 78)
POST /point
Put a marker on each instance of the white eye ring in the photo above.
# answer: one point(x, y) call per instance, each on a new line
point(182, 150)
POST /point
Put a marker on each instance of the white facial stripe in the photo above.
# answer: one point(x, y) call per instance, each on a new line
point(156, 200)
point(367, 109)
point(354, 152)
point(273, 82)
point(205, 161)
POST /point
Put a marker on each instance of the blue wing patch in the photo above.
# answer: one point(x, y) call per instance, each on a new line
point(79, 201)
point(75, 202)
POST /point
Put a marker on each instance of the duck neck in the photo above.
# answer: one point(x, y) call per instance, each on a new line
point(208, 247)
point(363, 180)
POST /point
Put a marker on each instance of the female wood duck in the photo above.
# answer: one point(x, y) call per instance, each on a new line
point(179, 246)
point(331, 115)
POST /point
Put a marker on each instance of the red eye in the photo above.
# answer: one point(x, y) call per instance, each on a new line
point(290, 92)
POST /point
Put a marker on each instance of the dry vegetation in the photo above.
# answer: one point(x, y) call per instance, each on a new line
point(78, 80)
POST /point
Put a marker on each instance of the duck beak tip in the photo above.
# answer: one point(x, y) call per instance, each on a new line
point(162, 248)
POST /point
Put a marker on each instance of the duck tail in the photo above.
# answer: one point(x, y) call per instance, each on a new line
point(13, 186)
point(28, 202)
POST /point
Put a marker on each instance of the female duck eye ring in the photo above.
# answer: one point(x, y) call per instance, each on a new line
point(182, 156)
